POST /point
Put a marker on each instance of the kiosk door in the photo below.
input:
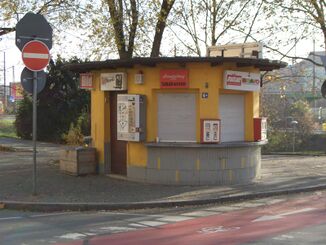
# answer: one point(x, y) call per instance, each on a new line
point(118, 147)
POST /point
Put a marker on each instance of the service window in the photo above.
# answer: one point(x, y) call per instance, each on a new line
point(176, 117)
point(232, 117)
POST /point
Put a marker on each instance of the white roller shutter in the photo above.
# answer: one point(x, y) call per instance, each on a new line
point(232, 117)
point(177, 117)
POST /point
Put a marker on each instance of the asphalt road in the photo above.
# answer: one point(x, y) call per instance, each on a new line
point(298, 219)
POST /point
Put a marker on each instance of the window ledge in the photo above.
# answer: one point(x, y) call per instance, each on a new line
point(198, 145)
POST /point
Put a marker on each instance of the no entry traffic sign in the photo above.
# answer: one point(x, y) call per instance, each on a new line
point(36, 55)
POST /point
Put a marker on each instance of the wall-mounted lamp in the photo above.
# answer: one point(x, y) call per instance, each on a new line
point(206, 85)
point(139, 77)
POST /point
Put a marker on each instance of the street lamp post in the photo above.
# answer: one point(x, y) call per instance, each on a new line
point(293, 123)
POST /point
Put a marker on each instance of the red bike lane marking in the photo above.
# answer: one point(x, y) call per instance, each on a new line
point(236, 231)
point(228, 229)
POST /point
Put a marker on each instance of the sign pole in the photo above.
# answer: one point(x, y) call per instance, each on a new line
point(34, 39)
point(34, 129)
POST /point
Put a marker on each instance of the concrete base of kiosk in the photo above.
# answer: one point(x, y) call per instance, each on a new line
point(200, 164)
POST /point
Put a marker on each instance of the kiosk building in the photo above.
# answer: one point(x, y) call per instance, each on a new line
point(178, 120)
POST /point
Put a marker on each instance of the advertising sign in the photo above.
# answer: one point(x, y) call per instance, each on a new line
point(16, 91)
point(131, 117)
point(113, 81)
point(244, 81)
point(86, 81)
point(174, 79)
point(210, 130)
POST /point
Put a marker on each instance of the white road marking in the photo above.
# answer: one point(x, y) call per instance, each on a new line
point(73, 236)
point(283, 237)
point(36, 216)
point(223, 208)
point(298, 211)
point(117, 229)
point(151, 223)
point(131, 214)
point(200, 213)
point(249, 205)
point(210, 230)
point(137, 225)
point(11, 218)
point(174, 218)
point(280, 216)
point(51, 214)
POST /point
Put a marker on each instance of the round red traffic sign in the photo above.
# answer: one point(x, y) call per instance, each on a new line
point(36, 55)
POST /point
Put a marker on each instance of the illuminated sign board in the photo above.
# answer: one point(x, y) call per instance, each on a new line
point(174, 79)
point(245, 81)
point(86, 81)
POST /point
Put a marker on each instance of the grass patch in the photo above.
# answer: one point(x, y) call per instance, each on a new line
point(312, 153)
point(7, 128)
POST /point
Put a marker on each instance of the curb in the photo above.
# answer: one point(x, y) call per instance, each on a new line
point(54, 207)
point(294, 154)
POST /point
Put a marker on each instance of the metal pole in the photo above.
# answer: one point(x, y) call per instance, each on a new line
point(293, 138)
point(34, 129)
point(314, 76)
point(4, 82)
point(13, 74)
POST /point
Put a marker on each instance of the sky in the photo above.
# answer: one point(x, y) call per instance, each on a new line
point(69, 44)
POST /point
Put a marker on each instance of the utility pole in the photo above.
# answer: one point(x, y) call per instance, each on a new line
point(314, 76)
point(4, 82)
point(13, 74)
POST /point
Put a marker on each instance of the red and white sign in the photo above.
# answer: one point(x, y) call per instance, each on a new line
point(36, 55)
point(174, 79)
point(86, 81)
point(17, 91)
point(245, 81)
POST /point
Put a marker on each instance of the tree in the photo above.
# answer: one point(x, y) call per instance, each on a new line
point(301, 19)
point(301, 112)
point(60, 104)
point(206, 22)
point(128, 20)
point(280, 109)
point(308, 12)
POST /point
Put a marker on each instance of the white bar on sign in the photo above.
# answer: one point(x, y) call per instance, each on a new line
point(35, 56)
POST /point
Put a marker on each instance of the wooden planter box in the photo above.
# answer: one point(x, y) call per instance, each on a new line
point(79, 161)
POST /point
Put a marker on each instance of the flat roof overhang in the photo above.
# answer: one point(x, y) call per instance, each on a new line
point(261, 64)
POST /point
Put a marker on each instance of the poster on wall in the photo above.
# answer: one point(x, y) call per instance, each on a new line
point(113, 81)
point(210, 130)
point(244, 81)
point(131, 117)
point(86, 81)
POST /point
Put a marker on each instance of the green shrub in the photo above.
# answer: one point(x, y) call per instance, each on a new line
point(74, 135)
point(60, 104)
point(278, 141)
point(24, 118)
point(84, 122)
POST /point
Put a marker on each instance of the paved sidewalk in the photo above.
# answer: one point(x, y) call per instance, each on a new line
point(57, 191)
